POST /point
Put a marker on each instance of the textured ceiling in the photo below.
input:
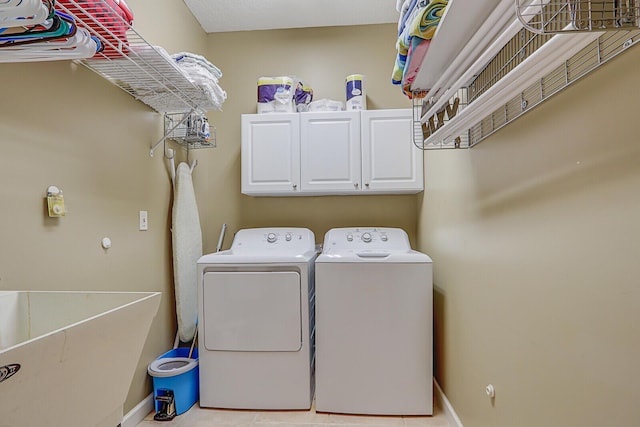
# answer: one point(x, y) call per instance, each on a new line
point(240, 15)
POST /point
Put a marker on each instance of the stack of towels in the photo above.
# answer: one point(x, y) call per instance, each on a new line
point(416, 27)
point(204, 75)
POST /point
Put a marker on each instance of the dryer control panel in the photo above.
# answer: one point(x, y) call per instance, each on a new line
point(365, 238)
point(289, 240)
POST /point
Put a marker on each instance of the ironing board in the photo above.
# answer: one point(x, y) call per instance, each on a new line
point(187, 249)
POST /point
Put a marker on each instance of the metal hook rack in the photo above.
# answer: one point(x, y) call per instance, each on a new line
point(190, 130)
point(423, 126)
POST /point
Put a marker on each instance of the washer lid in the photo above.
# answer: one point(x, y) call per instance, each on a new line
point(369, 244)
point(351, 256)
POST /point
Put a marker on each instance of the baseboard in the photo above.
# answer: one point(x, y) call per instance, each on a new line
point(444, 403)
point(137, 414)
point(142, 409)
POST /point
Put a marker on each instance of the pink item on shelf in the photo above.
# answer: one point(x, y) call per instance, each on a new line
point(109, 20)
point(125, 9)
point(417, 52)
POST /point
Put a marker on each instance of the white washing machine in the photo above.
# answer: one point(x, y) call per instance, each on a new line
point(374, 324)
point(256, 321)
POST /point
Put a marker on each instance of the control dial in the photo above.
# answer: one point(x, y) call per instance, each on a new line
point(366, 237)
point(271, 237)
point(287, 237)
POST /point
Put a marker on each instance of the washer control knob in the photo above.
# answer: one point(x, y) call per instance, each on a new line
point(350, 237)
point(287, 237)
point(271, 237)
point(366, 237)
point(384, 238)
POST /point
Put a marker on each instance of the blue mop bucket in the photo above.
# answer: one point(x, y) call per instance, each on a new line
point(175, 371)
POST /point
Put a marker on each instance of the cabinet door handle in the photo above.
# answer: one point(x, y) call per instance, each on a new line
point(295, 186)
point(355, 185)
point(367, 184)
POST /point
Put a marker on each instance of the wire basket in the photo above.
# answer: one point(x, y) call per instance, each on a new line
point(191, 130)
point(566, 16)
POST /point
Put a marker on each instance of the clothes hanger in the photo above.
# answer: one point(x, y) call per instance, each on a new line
point(81, 45)
point(29, 12)
point(55, 38)
point(10, 3)
point(56, 27)
point(15, 9)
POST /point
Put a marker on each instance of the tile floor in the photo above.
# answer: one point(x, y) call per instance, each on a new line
point(205, 417)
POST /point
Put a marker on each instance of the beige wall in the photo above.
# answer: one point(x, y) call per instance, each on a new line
point(322, 58)
point(535, 238)
point(63, 125)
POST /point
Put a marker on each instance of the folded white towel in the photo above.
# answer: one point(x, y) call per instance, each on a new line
point(204, 75)
point(188, 57)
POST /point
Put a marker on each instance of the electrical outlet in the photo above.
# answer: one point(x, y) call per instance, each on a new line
point(144, 221)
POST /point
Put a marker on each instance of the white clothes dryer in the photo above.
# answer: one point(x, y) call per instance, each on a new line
point(373, 324)
point(256, 321)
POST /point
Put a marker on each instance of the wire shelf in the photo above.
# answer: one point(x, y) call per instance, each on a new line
point(146, 72)
point(512, 54)
point(570, 16)
point(594, 55)
point(606, 47)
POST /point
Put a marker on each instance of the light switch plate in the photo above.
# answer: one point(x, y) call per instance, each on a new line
point(143, 220)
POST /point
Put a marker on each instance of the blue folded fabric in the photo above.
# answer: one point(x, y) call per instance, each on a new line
point(405, 17)
point(419, 24)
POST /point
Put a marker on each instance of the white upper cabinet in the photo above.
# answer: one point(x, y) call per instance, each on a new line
point(330, 153)
point(390, 161)
point(270, 154)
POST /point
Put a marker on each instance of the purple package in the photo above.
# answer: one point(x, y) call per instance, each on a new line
point(303, 94)
point(274, 89)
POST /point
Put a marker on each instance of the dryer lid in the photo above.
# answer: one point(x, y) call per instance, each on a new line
point(273, 244)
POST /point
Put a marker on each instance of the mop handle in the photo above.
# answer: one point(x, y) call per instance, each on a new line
point(193, 343)
point(221, 238)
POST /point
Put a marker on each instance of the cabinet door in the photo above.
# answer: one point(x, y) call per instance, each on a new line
point(330, 152)
point(270, 154)
point(390, 161)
